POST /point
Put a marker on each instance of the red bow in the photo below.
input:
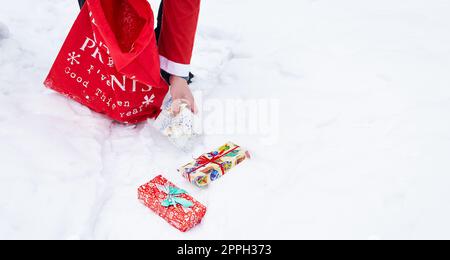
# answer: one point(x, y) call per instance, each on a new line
point(203, 160)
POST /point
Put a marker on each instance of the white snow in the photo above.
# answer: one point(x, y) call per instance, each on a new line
point(4, 32)
point(363, 126)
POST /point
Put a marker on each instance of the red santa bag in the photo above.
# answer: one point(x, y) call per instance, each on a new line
point(110, 63)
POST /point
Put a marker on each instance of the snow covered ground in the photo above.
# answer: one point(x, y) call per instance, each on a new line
point(351, 140)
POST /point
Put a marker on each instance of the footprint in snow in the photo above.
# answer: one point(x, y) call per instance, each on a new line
point(4, 32)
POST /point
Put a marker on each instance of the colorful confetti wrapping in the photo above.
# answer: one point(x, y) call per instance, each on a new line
point(171, 203)
point(213, 165)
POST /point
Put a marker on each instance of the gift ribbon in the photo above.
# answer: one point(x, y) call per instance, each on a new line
point(173, 196)
point(204, 160)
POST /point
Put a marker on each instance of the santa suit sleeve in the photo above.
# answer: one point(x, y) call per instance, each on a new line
point(176, 41)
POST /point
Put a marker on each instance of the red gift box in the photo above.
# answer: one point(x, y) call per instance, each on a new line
point(171, 203)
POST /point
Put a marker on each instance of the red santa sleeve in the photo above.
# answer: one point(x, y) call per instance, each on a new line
point(176, 41)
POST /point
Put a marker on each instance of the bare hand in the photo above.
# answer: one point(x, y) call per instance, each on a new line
point(180, 90)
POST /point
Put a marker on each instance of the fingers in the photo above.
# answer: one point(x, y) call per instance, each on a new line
point(176, 108)
point(189, 100)
point(181, 94)
point(194, 108)
point(192, 104)
point(176, 105)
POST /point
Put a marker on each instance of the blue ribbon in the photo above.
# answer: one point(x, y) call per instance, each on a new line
point(173, 197)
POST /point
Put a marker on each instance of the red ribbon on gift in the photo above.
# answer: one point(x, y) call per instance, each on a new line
point(204, 160)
